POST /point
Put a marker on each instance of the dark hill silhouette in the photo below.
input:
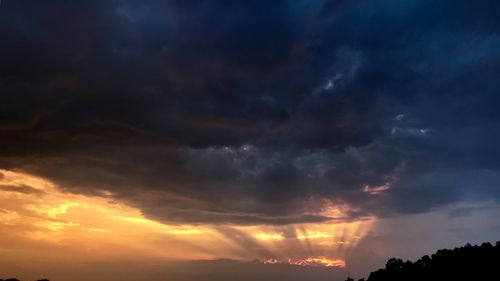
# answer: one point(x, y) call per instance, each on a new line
point(464, 263)
point(15, 279)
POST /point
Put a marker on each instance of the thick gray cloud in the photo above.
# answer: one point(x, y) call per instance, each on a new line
point(25, 189)
point(248, 111)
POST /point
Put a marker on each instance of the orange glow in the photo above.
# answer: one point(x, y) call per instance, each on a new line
point(271, 261)
point(320, 261)
point(92, 225)
point(269, 236)
point(36, 214)
point(314, 235)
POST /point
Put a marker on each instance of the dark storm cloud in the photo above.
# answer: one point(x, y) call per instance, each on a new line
point(250, 111)
point(20, 189)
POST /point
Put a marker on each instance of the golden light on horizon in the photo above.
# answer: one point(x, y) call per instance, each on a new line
point(314, 235)
point(269, 236)
point(319, 261)
point(35, 213)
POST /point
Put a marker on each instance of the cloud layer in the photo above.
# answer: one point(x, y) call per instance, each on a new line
point(251, 112)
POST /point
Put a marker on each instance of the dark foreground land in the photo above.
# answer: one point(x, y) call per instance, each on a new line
point(464, 263)
point(15, 279)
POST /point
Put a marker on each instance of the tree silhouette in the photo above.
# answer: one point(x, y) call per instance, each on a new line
point(15, 279)
point(464, 263)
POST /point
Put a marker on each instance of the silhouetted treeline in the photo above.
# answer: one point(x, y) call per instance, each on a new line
point(464, 263)
point(15, 279)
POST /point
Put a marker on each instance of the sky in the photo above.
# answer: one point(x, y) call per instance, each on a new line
point(209, 140)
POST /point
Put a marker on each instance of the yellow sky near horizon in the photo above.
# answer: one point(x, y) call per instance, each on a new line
point(39, 221)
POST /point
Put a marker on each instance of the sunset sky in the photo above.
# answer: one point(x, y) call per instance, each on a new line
point(218, 140)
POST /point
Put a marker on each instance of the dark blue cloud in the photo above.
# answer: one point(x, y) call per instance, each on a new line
point(242, 111)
